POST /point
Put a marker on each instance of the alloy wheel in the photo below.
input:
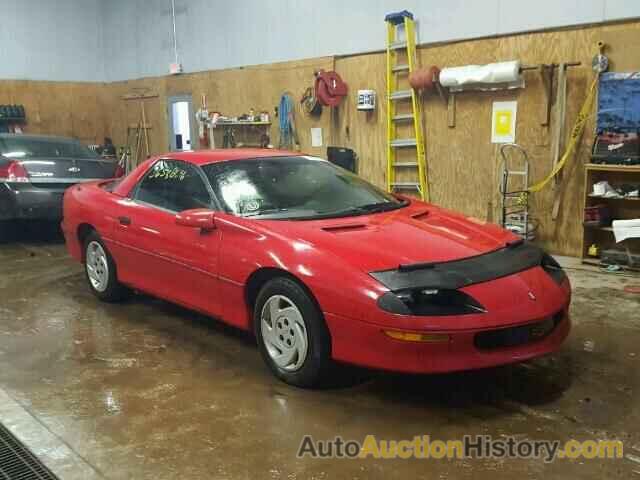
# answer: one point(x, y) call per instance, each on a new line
point(284, 333)
point(97, 266)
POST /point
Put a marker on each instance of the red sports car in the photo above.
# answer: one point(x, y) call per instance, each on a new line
point(320, 264)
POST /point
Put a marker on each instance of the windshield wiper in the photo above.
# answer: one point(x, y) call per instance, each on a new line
point(266, 211)
point(382, 206)
point(364, 209)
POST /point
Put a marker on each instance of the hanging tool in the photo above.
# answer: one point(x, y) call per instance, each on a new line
point(206, 121)
point(228, 138)
point(599, 64)
point(202, 117)
point(515, 201)
point(138, 136)
point(330, 89)
point(558, 132)
point(141, 128)
point(145, 129)
point(557, 141)
point(288, 134)
point(130, 154)
point(310, 103)
point(576, 133)
point(124, 161)
point(396, 50)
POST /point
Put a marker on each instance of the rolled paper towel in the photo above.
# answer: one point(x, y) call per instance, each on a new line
point(502, 72)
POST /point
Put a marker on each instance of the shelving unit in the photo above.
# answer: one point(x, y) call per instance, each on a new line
point(237, 124)
point(621, 208)
point(248, 129)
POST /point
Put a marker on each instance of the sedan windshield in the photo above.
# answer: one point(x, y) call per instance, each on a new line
point(33, 147)
point(294, 188)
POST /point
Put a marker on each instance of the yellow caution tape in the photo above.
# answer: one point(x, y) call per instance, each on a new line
point(576, 133)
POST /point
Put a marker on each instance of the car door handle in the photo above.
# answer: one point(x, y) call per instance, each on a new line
point(124, 220)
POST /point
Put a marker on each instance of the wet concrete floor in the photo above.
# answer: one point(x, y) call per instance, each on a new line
point(148, 390)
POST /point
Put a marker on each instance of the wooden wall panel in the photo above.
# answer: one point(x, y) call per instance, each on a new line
point(564, 233)
point(462, 161)
point(365, 132)
point(59, 108)
point(232, 92)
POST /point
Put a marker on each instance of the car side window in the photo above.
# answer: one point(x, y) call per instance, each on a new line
point(175, 186)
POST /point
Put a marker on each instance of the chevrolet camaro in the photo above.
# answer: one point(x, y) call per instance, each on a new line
point(322, 266)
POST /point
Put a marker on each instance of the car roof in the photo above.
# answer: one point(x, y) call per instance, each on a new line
point(200, 157)
point(204, 157)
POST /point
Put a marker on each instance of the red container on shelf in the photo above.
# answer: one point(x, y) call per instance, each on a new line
point(597, 216)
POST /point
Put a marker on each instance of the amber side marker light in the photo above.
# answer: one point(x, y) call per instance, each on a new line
point(417, 337)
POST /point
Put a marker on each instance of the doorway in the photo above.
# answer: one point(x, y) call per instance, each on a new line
point(181, 123)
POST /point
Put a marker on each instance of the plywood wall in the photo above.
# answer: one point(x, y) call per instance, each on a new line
point(71, 109)
point(463, 171)
point(231, 92)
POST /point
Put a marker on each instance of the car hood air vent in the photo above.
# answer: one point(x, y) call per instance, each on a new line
point(420, 215)
point(345, 228)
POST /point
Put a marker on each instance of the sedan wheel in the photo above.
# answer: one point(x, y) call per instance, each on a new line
point(284, 333)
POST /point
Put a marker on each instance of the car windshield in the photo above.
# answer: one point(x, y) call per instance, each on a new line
point(294, 188)
point(30, 147)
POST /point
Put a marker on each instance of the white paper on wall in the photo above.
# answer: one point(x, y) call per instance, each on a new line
point(316, 137)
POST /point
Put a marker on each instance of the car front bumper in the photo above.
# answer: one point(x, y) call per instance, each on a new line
point(25, 201)
point(368, 345)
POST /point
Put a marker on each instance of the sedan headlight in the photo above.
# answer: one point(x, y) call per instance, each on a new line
point(429, 302)
point(553, 268)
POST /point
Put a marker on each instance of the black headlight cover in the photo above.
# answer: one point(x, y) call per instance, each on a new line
point(429, 302)
point(553, 268)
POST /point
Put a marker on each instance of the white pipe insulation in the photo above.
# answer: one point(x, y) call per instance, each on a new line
point(503, 72)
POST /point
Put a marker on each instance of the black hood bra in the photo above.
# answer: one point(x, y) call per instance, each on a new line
point(513, 258)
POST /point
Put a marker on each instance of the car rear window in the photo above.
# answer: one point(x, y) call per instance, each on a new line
point(29, 147)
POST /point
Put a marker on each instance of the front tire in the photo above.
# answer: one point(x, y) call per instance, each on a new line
point(100, 270)
point(292, 336)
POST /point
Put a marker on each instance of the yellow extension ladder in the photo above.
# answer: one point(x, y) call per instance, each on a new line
point(403, 51)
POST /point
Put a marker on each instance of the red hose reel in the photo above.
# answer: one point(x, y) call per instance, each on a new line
point(330, 89)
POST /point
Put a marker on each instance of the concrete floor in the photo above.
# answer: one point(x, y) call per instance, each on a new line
point(149, 390)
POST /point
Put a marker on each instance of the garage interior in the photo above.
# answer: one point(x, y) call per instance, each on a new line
point(147, 389)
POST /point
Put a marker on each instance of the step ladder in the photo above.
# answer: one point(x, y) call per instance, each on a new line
point(401, 61)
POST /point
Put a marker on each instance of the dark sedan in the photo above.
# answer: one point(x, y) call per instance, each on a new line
point(35, 170)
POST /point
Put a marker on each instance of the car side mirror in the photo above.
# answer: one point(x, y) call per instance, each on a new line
point(201, 218)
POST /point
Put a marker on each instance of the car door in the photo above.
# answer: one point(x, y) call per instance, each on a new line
point(158, 256)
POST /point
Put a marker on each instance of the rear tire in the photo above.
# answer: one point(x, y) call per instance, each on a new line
point(292, 336)
point(100, 271)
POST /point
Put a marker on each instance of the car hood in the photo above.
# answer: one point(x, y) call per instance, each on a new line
point(414, 234)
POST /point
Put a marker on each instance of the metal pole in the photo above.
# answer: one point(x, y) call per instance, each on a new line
point(175, 38)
